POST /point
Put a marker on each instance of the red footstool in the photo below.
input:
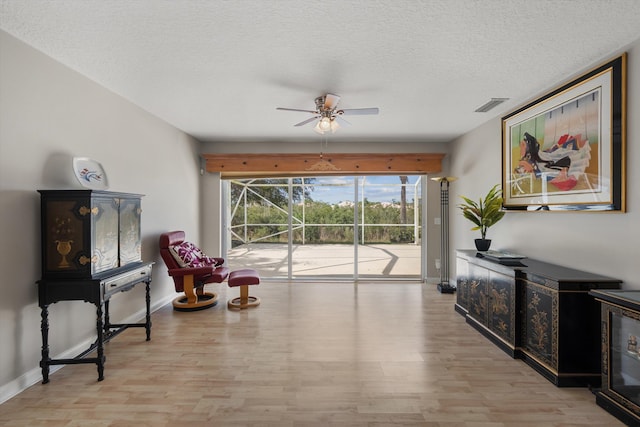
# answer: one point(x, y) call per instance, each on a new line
point(243, 278)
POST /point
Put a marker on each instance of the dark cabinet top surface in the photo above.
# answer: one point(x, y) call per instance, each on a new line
point(528, 268)
point(86, 193)
point(627, 299)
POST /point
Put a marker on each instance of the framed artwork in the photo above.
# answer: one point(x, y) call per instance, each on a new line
point(566, 150)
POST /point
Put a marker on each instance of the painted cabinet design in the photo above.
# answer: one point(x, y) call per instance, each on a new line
point(536, 311)
point(540, 325)
point(491, 300)
point(620, 357)
point(87, 232)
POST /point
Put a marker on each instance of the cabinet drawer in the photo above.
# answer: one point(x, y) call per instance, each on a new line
point(122, 281)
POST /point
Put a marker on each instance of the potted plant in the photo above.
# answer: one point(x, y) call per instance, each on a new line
point(483, 214)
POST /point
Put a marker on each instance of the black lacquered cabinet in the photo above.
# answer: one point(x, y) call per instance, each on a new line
point(86, 232)
point(491, 302)
point(462, 284)
point(560, 322)
point(620, 357)
point(536, 311)
point(91, 250)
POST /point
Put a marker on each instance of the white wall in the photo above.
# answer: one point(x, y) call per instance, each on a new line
point(603, 243)
point(48, 114)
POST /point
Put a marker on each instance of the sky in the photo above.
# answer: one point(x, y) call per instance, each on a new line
point(376, 189)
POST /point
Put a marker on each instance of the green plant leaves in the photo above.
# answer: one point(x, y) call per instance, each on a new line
point(484, 213)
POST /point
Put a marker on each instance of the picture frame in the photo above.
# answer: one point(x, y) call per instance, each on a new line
point(565, 151)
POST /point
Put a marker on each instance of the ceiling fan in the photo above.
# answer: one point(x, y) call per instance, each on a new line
point(326, 115)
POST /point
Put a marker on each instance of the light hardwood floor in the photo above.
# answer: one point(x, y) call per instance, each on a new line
point(312, 354)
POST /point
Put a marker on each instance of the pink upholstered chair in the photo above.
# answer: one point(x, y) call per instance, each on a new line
point(191, 269)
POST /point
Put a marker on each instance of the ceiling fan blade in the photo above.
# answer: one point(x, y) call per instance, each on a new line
point(296, 109)
point(331, 101)
point(359, 111)
point(304, 122)
point(342, 121)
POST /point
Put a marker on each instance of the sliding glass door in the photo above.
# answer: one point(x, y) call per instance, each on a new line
point(325, 247)
point(333, 227)
point(389, 226)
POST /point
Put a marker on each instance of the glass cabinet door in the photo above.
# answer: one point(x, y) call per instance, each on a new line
point(105, 234)
point(624, 374)
point(130, 239)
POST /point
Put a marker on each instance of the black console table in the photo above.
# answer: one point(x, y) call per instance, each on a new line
point(536, 311)
point(97, 292)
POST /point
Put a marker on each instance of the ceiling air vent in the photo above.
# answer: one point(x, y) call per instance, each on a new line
point(491, 105)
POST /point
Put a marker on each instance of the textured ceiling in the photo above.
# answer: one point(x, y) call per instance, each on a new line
point(218, 69)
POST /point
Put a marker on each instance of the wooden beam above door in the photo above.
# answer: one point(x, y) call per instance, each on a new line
point(288, 164)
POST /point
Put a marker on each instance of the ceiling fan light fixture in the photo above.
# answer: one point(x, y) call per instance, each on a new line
point(334, 125)
point(325, 124)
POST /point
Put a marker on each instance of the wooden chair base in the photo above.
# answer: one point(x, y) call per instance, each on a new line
point(204, 300)
point(244, 300)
